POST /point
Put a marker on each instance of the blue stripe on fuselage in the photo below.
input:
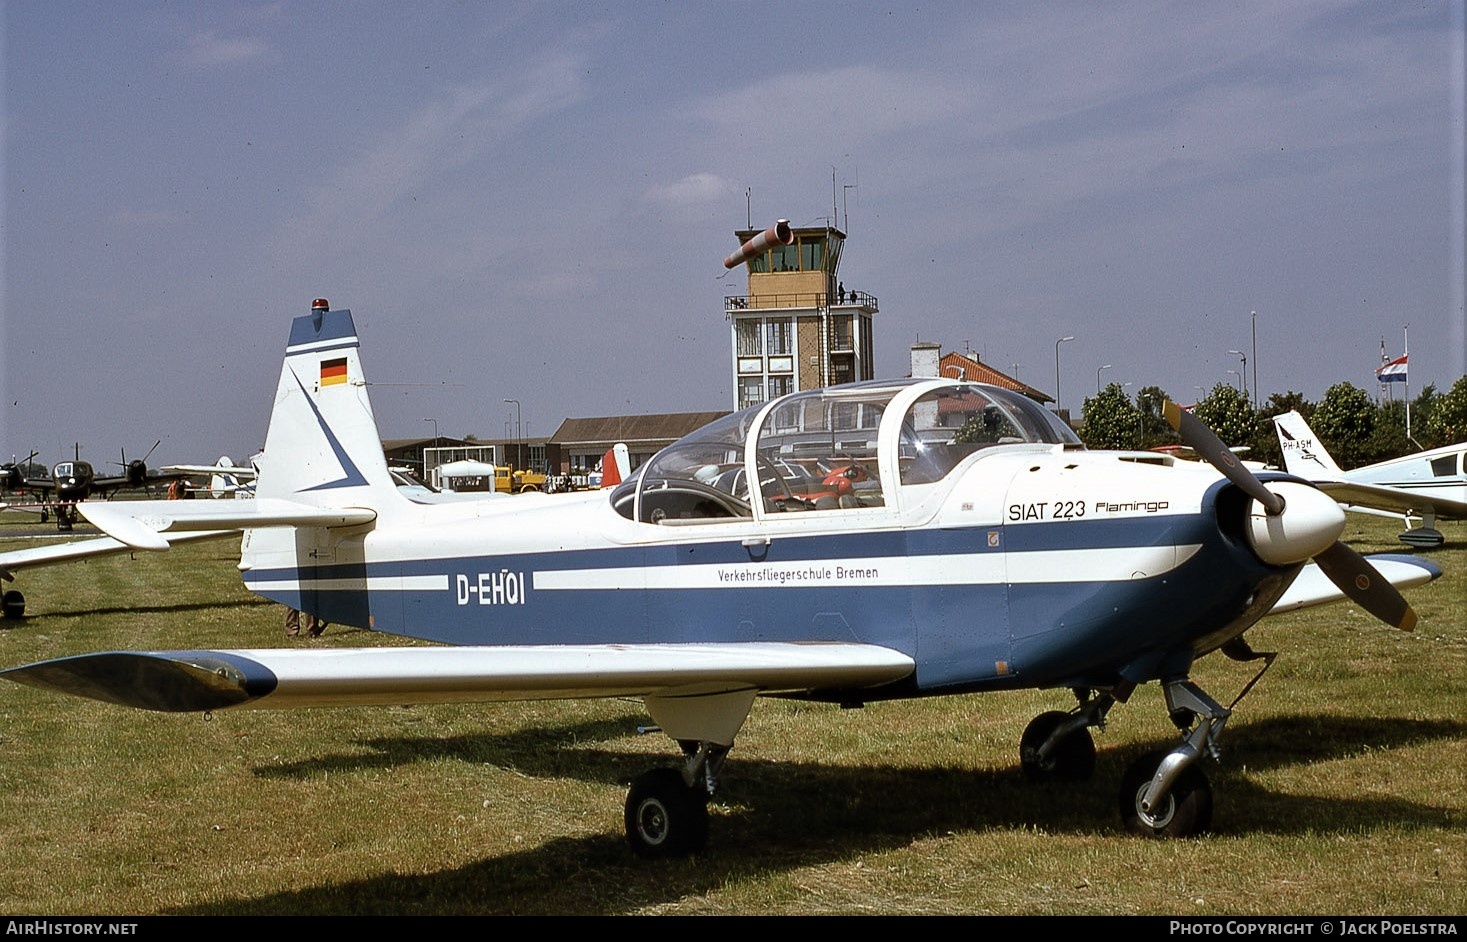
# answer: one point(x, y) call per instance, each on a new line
point(965, 634)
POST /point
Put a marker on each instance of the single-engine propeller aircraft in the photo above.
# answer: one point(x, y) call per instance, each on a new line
point(226, 479)
point(75, 480)
point(1430, 485)
point(981, 548)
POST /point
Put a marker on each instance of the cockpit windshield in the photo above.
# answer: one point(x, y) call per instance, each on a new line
point(948, 424)
point(821, 451)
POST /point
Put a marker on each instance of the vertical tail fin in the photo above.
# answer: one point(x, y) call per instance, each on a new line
point(322, 446)
point(615, 465)
point(1304, 453)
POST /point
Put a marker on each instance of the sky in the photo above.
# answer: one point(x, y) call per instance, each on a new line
point(532, 201)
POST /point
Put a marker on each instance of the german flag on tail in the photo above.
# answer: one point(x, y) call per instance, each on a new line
point(333, 372)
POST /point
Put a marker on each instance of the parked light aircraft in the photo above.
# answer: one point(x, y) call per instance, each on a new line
point(986, 549)
point(226, 479)
point(1431, 485)
point(76, 480)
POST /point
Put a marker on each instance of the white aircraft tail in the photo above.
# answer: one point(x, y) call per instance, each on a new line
point(322, 447)
point(1304, 453)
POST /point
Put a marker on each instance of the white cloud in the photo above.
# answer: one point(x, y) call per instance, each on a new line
point(209, 49)
point(693, 190)
point(460, 127)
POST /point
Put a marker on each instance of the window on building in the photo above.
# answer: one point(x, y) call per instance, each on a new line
point(812, 255)
point(840, 332)
point(747, 332)
point(778, 332)
point(751, 391)
point(781, 386)
point(784, 258)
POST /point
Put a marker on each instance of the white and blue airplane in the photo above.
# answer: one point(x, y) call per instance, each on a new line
point(1430, 485)
point(883, 540)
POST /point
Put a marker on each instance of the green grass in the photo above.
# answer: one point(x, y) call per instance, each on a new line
point(1342, 789)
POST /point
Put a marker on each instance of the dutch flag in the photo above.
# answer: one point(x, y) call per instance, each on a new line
point(1393, 372)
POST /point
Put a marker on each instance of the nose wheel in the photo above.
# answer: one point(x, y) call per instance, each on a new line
point(1184, 810)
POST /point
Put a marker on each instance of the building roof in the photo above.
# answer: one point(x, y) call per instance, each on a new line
point(442, 441)
point(667, 427)
point(958, 366)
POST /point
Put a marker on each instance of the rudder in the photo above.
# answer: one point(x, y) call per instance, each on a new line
point(322, 446)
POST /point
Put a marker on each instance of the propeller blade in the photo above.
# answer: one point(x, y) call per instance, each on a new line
point(1205, 442)
point(1365, 586)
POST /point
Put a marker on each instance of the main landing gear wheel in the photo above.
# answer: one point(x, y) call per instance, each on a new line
point(12, 604)
point(1071, 759)
point(1186, 809)
point(664, 817)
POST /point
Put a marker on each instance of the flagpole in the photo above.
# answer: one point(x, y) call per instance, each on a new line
point(1406, 343)
point(1380, 377)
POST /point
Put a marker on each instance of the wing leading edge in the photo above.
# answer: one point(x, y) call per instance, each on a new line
point(272, 678)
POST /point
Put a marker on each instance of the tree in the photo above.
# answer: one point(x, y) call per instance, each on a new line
point(1388, 435)
point(1228, 414)
point(1111, 421)
point(1421, 409)
point(1448, 422)
point(1154, 428)
point(1344, 421)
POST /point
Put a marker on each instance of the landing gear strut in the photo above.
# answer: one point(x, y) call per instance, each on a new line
point(667, 809)
point(1165, 793)
point(1057, 746)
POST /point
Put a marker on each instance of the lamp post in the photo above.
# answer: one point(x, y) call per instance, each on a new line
point(1255, 360)
point(423, 455)
point(1056, 371)
point(1097, 378)
point(1244, 369)
point(516, 431)
point(1240, 379)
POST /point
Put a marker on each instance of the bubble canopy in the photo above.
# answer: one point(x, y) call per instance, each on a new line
point(840, 450)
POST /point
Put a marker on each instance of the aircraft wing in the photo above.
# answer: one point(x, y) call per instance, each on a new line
point(1394, 499)
point(209, 469)
point(1313, 587)
point(142, 524)
point(15, 560)
point(287, 678)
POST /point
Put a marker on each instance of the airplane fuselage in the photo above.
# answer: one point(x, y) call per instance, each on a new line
point(1440, 473)
point(1034, 565)
point(73, 480)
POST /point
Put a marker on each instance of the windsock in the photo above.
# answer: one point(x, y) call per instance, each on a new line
point(778, 233)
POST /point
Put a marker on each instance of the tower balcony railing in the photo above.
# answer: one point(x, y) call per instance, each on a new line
point(853, 300)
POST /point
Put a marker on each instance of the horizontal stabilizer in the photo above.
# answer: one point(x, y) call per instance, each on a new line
point(1313, 587)
point(275, 678)
point(142, 523)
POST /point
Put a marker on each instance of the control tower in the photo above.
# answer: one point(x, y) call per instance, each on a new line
point(798, 326)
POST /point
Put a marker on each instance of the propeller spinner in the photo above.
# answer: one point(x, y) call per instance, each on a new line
point(1298, 522)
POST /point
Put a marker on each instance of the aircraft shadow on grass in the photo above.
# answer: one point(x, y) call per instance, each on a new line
point(868, 810)
point(871, 810)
